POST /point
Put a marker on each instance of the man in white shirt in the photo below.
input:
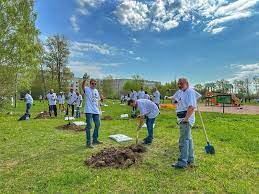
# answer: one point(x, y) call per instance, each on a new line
point(92, 112)
point(52, 99)
point(149, 110)
point(156, 97)
point(146, 96)
point(186, 100)
point(71, 101)
point(79, 101)
point(134, 97)
point(141, 93)
point(61, 101)
point(29, 102)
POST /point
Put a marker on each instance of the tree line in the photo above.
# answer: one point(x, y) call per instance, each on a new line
point(25, 61)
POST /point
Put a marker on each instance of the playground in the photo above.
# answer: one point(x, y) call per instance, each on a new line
point(37, 157)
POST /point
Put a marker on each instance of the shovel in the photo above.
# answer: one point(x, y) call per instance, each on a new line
point(209, 149)
point(139, 126)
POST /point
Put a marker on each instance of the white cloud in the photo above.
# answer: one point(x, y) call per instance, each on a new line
point(95, 70)
point(85, 6)
point(257, 33)
point(133, 14)
point(216, 30)
point(162, 15)
point(244, 71)
point(82, 47)
point(73, 21)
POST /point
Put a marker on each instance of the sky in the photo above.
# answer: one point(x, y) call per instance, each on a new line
point(203, 40)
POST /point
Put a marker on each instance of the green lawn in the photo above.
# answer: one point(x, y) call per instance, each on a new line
point(36, 157)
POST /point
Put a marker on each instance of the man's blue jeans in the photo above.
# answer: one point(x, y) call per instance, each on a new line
point(28, 107)
point(78, 112)
point(96, 119)
point(150, 128)
point(185, 145)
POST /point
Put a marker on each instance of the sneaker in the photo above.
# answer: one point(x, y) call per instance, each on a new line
point(178, 166)
point(90, 146)
point(147, 142)
point(97, 142)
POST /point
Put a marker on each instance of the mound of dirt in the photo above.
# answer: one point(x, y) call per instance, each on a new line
point(122, 157)
point(71, 127)
point(43, 115)
point(107, 118)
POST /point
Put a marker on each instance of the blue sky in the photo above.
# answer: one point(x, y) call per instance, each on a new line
point(203, 40)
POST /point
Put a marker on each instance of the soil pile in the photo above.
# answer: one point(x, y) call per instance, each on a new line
point(117, 157)
point(71, 127)
point(106, 118)
point(43, 115)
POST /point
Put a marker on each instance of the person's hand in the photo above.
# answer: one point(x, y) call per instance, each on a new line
point(166, 97)
point(185, 120)
point(85, 76)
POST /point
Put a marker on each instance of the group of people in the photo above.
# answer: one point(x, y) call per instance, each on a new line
point(186, 102)
point(185, 99)
point(74, 100)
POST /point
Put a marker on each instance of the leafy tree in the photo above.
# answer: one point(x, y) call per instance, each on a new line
point(20, 50)
point(56, 58)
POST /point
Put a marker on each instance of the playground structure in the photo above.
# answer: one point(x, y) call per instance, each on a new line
point(226, 97)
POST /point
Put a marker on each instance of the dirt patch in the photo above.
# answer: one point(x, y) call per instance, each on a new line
point(43, 115)
point(122, 157)
point(71, 127)
point(107, 118)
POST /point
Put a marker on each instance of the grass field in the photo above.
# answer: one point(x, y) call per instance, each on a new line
point(36, 157)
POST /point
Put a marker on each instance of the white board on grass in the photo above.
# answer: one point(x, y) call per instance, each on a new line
point(120, 138)
point(69, 118)
point(123, 116)
point(79, 123)
point(145, 125)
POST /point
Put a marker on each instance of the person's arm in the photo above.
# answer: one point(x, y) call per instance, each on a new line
point(192, 104)
point(169, 97)
point(83, 85)
point(189, 113)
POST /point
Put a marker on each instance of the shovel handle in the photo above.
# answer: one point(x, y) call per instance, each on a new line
point(203, 126)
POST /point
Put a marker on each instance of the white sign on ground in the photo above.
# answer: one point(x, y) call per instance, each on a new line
point(120, 138)
point(69, 118)
point(145, 125)
point(123, 116)
point(79, 123)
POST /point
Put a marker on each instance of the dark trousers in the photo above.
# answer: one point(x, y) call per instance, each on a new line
point(28, 107)
point(89, 118)
point(72, 107)
point(150, 128)
point(54, 109)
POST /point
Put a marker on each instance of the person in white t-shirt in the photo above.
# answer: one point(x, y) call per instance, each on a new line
point(92, 112)
point(61, 102)
point(146, 96)
point(29, 101)
point(52, 99)
point(71, 101)
point(156, 97)
point(134, 97)
point(186, 100)
point(79, 101)
point(141, 93)
point(148, 110)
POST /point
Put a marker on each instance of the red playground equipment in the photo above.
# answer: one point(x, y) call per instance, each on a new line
point(215, 98)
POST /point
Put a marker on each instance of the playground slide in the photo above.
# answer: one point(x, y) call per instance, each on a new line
point(235, 100)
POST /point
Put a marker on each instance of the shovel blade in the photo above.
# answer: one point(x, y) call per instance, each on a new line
point(209, 149)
